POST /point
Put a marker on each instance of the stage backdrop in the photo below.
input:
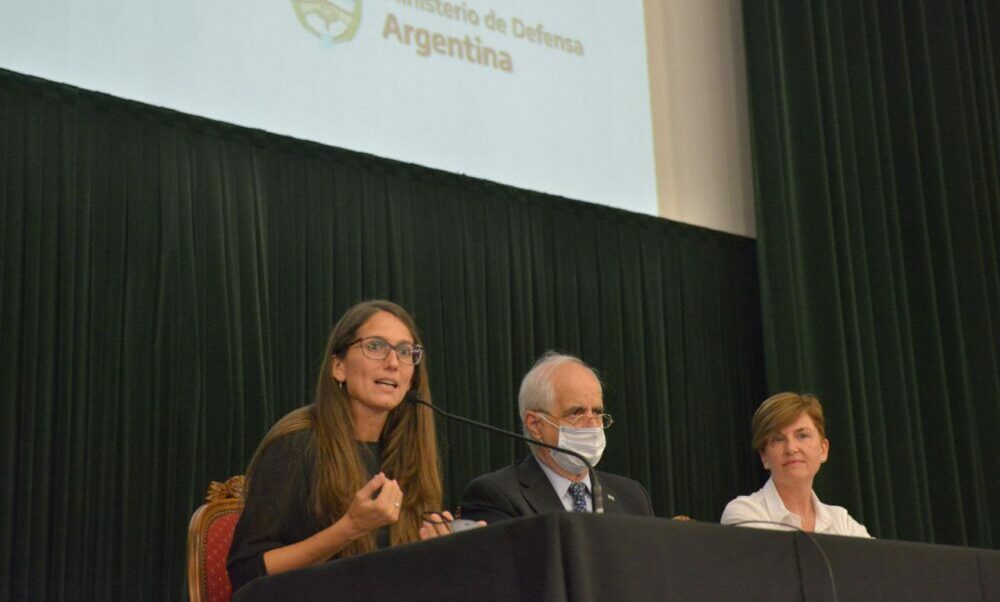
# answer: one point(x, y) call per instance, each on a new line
point(167, 284)
point(877, 164)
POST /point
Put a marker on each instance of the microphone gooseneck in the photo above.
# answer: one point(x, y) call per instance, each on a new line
point(596, 494)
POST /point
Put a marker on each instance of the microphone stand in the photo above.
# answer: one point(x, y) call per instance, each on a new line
point(596, 494)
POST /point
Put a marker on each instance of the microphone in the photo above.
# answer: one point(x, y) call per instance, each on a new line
point(596, 496)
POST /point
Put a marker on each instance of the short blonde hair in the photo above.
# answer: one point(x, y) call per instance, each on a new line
point(782, 409)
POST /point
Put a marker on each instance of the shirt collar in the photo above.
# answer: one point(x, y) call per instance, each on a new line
point(824, 519)
point(777, 509)
point(560, 483)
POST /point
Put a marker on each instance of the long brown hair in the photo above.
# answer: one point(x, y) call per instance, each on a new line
point(408, 440)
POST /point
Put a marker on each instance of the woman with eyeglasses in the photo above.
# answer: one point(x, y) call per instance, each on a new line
point(789, 435)
point(356, 469)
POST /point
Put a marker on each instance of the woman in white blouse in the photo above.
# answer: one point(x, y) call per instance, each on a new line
point(789, 434)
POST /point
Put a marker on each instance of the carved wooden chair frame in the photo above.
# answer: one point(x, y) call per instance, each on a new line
point(221, 499)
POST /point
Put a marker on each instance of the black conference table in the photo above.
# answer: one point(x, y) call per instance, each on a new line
point(583, 557)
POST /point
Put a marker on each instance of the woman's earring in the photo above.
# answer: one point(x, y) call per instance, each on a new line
point(342, 384)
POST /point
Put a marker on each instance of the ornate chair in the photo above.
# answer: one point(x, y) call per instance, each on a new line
point(209, 537)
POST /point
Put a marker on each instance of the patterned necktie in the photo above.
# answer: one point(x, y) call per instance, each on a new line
point(578, 491)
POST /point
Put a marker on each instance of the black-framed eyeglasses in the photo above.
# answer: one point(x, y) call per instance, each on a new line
point(377, 348)
point(579, 417)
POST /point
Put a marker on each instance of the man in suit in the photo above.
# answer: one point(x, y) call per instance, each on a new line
point(561, 403)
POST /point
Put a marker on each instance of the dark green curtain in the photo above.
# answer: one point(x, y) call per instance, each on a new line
point(168, 284)
point(876, 135)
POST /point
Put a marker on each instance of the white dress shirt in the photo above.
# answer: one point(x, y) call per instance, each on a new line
point(561, 485)
point(766, 505)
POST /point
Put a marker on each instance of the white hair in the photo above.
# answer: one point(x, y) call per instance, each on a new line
point(537, 392)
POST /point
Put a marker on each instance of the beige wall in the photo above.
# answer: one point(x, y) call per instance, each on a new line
point(701, 128)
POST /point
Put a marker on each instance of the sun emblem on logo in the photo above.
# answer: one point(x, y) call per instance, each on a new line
point(330, 20)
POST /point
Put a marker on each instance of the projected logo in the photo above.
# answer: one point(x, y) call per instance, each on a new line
point(332, 21)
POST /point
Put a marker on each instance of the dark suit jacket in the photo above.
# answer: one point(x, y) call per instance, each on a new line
point(523, 490)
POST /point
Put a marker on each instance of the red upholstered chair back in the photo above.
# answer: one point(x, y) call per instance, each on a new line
point(209, 537)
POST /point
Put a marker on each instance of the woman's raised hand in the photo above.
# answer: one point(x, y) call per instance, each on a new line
point(368, 513)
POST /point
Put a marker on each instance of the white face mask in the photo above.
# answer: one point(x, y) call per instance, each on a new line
point(588, 442)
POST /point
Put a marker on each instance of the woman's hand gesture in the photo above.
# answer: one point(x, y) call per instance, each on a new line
point(368, 513)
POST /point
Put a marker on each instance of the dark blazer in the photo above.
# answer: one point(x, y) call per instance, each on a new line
point(523, 490)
